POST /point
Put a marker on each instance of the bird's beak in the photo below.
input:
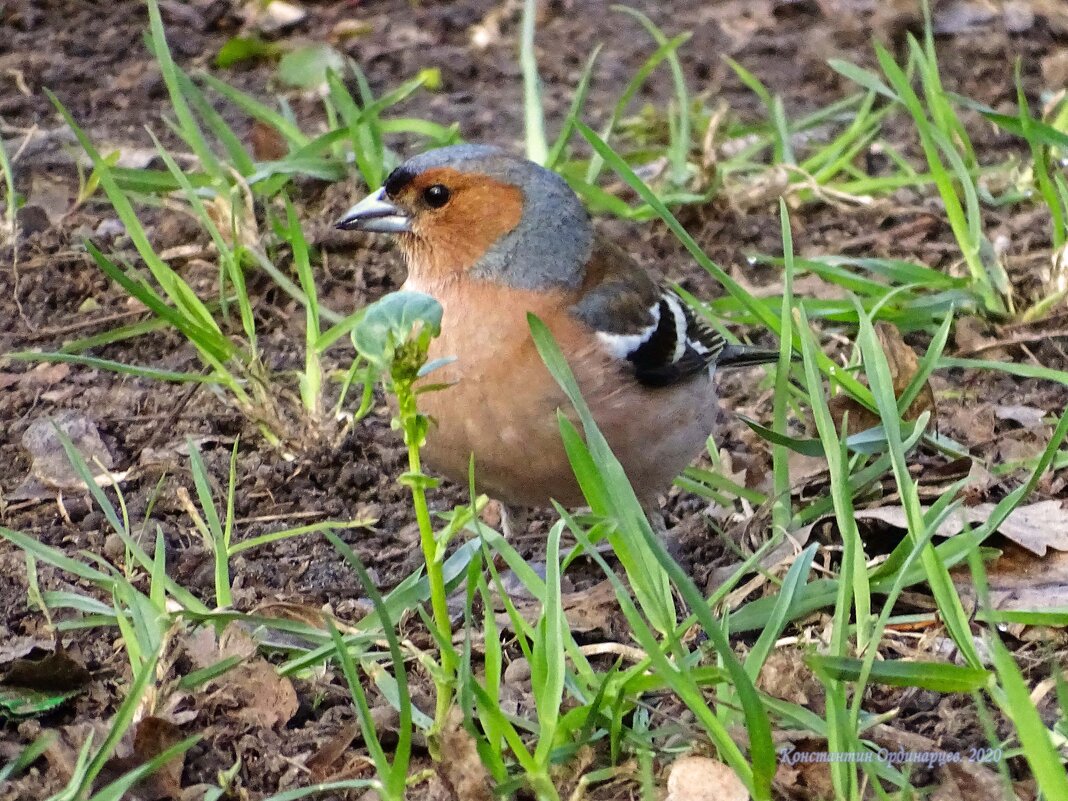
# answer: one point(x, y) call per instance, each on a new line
point(375, 213)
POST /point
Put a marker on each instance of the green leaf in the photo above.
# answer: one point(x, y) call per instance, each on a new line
point(940, 677)
point(866, 78)
point(388, 322)
point(392, 775)
point(949, 603)
point(578, 100)
point(23, 702)
point(605, 486)
point(806, 447)
point(872, 440)
point(534, 114)
point(245, 48)
point(306, 67)
point(791, 586)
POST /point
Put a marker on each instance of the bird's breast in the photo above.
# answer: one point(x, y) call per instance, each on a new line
point(500, 401)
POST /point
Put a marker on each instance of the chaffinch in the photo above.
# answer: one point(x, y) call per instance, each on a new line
point(493, 237)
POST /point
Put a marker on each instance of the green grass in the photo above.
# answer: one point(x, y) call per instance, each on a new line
point(10, 198)
point(591, 721)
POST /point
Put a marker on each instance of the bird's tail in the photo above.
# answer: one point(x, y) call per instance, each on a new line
point(745, 356)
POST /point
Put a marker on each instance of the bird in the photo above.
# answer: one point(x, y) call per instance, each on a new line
point(492, 237)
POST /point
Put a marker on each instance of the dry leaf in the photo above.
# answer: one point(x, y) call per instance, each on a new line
point(312, 616)
point(1020, 445)
point(253, 690)
point(972, 422)
point(594, 609)
point(1019, 581)
point(63, 749)
point(56, 672)
point(151, 737)
point(801, 778)
point(263, 697)
point(785, 675)
point(40, 377)
point(904, 364)
point(204, 648)
point(235, 220)
point(52, 194)
point(805, 468)
point(21, 647)
point(695, 778)
point(51, 471)
point(321, 763)
point(971, 337)
point(976, 780)
point(461, 769)
point(267, 143)
point(1036, 527)
point(1024, 416)
point(277, 16)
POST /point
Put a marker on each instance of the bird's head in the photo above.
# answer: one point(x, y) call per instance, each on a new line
point(479, 211)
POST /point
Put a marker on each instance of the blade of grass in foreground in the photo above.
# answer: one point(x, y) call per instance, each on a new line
point(633, 85)
point(1015, 701)
point(29, 755)
point(311, 379)
point(228, 262)
point(602, 479)
point(326, 788)
point(840, 736)
point(949, 603)
point(116, 790)
point(151, 373)
point(781, 511)
point(391, 775)
point(214, 348)
point(578, 101)
point(533, 113)
point(226, 136)
point(187, 124)
point(547, 664)
point(964, 218)
point(757, 775)
point(407, 595)
point(121, 722)
point(9, 186)
point(941, 677)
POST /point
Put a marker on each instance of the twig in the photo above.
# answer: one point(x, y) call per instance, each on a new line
point(45, 333)
point(1021, 341)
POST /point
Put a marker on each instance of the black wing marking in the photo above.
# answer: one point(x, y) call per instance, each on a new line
point(644, 325)
point(680, 346)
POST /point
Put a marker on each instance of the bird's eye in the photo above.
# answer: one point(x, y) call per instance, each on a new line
point(436, 196)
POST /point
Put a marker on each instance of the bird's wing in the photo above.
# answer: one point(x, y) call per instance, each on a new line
point(642, 323)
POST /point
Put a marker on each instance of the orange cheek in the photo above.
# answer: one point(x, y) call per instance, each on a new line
point(456, 238)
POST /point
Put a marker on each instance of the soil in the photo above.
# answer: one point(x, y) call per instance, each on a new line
point(91, 54)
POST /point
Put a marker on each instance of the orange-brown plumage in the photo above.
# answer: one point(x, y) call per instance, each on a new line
point(455, 237)
point(492, 238)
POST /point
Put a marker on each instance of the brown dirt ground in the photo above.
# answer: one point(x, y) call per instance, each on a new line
point(91, 54)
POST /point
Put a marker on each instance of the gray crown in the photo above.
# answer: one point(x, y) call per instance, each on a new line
point(551, 244)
